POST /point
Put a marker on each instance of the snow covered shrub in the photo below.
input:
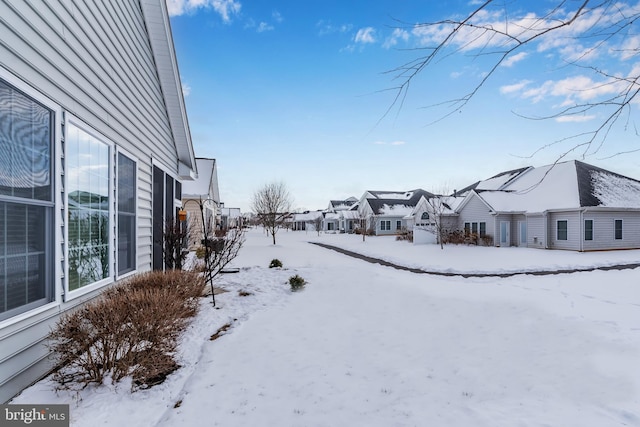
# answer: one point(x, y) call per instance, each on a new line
point(130, 330)
point(296, 283)
point(275, 263)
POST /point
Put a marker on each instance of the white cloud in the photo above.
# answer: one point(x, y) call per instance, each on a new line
point(365, 35)
point(277, 16)
point(329, 28)
point(514, 58)
point(263, 26)
point(392, 40)
point(516, 87)
point(574, 119)
point(225, 8)
point(186, 89)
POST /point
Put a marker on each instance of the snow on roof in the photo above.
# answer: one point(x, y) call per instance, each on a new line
point(332, 216)
point(306, 216)
point(566, 185)
point(394, 195)
point(395, 210)
point(613, 190)
point(350, 214)
point(200, 186)
point(496, 182)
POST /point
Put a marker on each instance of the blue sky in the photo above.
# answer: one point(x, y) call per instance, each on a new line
point(298, 91)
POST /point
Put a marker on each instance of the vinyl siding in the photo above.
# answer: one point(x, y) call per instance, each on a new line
point(94, 61)
point(475, 210)
point(574, 230)
point(603, 230)
point(536, 234)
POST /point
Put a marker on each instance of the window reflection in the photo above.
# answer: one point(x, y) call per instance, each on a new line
point(88, 201)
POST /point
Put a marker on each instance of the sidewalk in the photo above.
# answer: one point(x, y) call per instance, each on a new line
point(373, 260)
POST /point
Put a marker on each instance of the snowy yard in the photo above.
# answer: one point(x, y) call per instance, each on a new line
point(366, 345)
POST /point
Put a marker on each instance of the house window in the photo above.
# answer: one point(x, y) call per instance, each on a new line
point(562, 230)
point(425, 216)
point(126, 214)
point(88, 170)
point(467, 228)
point(474, 228)
point(483, 229)
point(385, 225)
point(26, 203)
point(398, 225)
point(618, 229)
point(588, 229)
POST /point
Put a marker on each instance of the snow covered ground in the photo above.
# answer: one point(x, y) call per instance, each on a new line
point(369, 345)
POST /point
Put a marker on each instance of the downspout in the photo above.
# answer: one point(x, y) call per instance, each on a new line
point(581, 237)
point(546, 230)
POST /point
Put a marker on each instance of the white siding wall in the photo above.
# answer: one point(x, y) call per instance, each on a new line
point(574, 230)
point(603, 230)
point(94, 60)
point(536, 235)
point(476, 211)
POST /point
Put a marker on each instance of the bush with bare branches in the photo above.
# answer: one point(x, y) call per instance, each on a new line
point(130, 330)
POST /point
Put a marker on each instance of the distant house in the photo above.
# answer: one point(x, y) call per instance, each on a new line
point(432, 214)
point(306, 221)
point(94, 147)
point(334, 219)
point(386, 211)
point(230, 218)
point(203, 191)
point(570, 205)
point(341, 205)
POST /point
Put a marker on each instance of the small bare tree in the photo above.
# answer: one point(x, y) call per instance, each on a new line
point(220, 250)
point(317, 223)
point(436, 207)
point(272, 204)
point(366, 223)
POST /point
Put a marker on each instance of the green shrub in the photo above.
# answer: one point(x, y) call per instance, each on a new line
point(130, 330)
point(200, 252)
point(275, 263)
point(296, 282)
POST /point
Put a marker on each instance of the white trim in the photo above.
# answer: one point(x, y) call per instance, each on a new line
point(70, 295)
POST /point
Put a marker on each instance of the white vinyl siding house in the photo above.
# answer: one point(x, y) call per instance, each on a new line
point(90, 106)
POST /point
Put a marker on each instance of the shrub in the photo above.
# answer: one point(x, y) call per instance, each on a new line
point(296, 282)
point(275, 263)
point(130, 330)
point(200, 252)
point(487, 240)
point(405, 234)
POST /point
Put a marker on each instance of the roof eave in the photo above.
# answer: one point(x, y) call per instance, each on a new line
point(159, 30)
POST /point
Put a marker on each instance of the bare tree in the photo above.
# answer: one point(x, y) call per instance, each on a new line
point(317, 223)
point(272, 204)
point(366, 223)
point(220, 250)
point(436, 208)
point(591, 35)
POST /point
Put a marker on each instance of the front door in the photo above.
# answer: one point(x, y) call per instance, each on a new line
point(522, 227)
point(505, 237)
